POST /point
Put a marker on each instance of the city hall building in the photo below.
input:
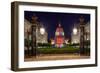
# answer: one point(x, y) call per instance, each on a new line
point(40, 38)
point(75, 36)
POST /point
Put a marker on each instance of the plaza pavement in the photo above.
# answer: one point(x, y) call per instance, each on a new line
point(56, 57)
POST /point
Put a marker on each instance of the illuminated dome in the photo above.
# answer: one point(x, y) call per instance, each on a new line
point(59, 37)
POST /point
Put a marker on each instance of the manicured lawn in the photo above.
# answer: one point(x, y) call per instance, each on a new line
point(54, 50)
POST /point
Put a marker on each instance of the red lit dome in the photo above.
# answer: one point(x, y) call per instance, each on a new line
point(59, 36)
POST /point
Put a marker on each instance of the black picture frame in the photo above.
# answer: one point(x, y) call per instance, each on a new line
point(14, 35)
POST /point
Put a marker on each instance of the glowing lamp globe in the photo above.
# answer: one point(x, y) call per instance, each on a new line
point(42, 30)
point(75, 31)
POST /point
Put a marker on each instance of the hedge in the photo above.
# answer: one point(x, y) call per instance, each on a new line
point(68, 49)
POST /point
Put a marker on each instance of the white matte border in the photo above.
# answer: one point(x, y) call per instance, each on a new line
point(34, 64)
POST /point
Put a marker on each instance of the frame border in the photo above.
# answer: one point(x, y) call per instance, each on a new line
point(14, 35)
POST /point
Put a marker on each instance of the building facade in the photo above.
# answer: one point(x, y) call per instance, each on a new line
point(75, 37)
point(40, 38)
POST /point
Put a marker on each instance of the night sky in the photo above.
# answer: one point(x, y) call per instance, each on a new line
point(50, 20)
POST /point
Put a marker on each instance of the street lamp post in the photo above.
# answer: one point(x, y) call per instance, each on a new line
point(33, 36)
point(82, 36)
point(33, 40)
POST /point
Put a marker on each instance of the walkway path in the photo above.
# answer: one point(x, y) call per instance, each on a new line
point(56, 57)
